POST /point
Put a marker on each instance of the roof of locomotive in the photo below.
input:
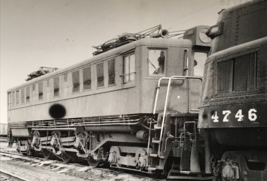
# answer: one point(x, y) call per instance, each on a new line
point(228, 11)
point(238, 49)
point(112, 53)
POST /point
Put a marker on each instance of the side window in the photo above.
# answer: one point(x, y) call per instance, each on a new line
point(129, 68)
point(76, 81)
point(22, 95)
point(100, 74)
point(111, 72)
point(9, 99)
point(199, 62)
point(17, 97)
point(56, 86)
point(156, 61)
point(28, 94)
point(13, 98)
point(65, 77)
point(87, 78)
point(41, 92)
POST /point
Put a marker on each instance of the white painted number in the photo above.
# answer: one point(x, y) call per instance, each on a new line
point(226, 113)
point(215, 117)
point(239, 115)
point(252, 116)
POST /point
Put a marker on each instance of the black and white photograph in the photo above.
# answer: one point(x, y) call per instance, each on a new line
point(133, 90)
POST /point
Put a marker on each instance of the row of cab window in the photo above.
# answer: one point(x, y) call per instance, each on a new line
point(23, 95)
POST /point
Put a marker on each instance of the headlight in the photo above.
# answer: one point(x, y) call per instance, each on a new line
point(203, 37)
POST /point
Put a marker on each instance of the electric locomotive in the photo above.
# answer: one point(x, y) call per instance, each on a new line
point(134, 105)
point(233, 118)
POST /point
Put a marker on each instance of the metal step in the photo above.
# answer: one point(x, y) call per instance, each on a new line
point(157, 126)
point(152, 168)
point(155, 141)
point(153, 155)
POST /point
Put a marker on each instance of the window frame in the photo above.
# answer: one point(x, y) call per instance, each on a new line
point(110, 72)
point(9, 99)
point(148, 61)
point(98, 75)
point(13, 98)
point(17, 94)
point(76, 85)
point(56, 88)
point(85, 79)
point(22, 95)
point(128, 74)
point(40, 94)
point(28, 94)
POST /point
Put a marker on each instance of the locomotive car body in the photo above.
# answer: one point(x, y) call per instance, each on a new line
point(233, 103)
point(135, 107)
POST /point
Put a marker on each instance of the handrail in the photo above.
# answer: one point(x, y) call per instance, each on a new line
point(166, 99)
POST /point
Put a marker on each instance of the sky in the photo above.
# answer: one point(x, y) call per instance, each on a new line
point(59, 33)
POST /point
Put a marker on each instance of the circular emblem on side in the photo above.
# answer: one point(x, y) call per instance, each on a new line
point(57, 111)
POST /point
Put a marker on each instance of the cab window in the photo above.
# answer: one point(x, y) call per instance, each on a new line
point(156, 61)
point(199, 62)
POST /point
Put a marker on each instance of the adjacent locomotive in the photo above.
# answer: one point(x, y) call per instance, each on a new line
point(134, 106)
point(233, 116)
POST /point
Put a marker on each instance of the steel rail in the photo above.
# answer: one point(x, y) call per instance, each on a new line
point(9, 175)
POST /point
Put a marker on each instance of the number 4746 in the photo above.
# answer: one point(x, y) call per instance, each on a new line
point(252, 115)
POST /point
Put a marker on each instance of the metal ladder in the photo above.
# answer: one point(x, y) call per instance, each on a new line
point(166, 102)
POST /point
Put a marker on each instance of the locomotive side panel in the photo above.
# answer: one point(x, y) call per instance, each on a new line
point(85, 106)
point(83, 102)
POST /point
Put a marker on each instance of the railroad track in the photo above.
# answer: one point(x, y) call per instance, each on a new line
point(79, 168)
point(10, 176)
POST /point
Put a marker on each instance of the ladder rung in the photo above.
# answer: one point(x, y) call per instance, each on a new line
point(153, 155)
point(152, 168)
point(157, 126)
point(155, 141)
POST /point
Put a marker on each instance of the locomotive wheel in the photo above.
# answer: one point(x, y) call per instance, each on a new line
point(46, 154)
point(28, 153)
point(94, 163)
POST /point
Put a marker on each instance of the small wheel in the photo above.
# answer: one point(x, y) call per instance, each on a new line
point(94, 163)
point(46, 154)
